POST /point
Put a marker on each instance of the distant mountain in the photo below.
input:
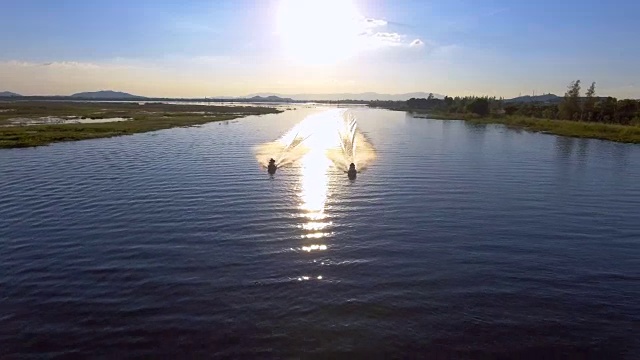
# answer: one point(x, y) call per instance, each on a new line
point(8, 94)
point(106, 95)
point(547, 98)
point(270, 98)
point(368, 96)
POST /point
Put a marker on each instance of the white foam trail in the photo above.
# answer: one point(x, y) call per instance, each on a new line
point(318, 133)
point(284, 151)
point(315, 132)
point(353, 141)
point(354, 146)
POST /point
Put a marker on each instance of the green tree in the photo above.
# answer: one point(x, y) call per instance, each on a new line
point(590, 102)
point(570, 106)
point(606, 109)
point(550, 112)
point(448, 100)
point(479, 106)
point(511, 109)
point(496, 105)
point(625, 111)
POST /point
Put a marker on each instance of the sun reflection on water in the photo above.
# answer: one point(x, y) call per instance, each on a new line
point(323, 140)
point(314, 184)
point(314, 191)
point(314, 248)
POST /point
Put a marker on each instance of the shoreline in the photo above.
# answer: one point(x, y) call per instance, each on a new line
point(629, 134)
point(140, 119)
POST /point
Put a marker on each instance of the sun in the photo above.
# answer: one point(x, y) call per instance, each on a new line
point(319, 32)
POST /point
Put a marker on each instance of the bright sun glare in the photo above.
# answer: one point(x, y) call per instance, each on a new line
point(319, 32)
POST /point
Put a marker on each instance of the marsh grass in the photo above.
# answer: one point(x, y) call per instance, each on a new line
point(612, 132)
point(144, 118)
point(579, 129)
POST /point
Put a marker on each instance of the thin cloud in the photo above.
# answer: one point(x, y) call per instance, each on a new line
point(388, 36)
point(71, 65)
point(376, 22)
point(399, 24)
point(416, 43)
point(16, 63)
point(51, 64)
point(375, 35)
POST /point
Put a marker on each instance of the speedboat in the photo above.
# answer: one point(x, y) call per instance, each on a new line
point(352, 173)
point(272, 167)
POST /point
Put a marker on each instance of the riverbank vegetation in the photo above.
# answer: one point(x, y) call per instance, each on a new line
point(572, 115)
point(593, 130)
point(139, 118)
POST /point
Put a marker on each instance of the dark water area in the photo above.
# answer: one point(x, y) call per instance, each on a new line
point(458, 241)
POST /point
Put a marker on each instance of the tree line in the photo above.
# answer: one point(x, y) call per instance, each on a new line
point(572, 106)
point(594, 109)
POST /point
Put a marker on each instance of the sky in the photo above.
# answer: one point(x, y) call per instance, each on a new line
point(196, 48)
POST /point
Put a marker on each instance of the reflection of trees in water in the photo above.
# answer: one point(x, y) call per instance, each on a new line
point(564, 147)
point(621, 155)
point(576, 154)
point(583, 149)
point(446, 130)
point(476, 127)
point(476, 134)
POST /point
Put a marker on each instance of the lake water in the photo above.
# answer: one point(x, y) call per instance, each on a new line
point(458, 240)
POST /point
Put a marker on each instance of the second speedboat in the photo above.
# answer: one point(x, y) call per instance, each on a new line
point(352, 173)
point(272, 167)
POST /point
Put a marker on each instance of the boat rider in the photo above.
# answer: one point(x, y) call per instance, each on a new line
point(272, 166)
point(352, 171)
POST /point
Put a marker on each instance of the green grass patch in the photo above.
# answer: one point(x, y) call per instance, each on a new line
point(579, 129)
point(147, 117)
point(611, 132)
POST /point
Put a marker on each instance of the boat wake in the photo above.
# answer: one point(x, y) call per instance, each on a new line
point(333, 133)
point(287, 149)
point(354, 147)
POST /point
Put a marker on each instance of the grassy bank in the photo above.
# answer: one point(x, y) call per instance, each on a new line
point(611, 132)
point(592, 130)
point(144, 118)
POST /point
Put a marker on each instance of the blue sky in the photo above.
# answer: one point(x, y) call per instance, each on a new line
point(226, 47)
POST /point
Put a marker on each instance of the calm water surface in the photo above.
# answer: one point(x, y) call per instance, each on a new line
point(460, 240)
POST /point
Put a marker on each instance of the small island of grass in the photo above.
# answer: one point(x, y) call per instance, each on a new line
point(71, 121)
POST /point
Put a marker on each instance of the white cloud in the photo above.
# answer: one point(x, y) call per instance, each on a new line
point(68, 65)
point(328, 32)
point(375, 22)
point(388, 38)
point(375, 34)
point(416, 43)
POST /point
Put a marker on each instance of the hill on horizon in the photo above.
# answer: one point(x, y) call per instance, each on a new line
point(8, 94)
point(271, 98)
point(546, 98)
point(106, 95)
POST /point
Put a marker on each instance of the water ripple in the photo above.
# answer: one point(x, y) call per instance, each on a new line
point(456, 241)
